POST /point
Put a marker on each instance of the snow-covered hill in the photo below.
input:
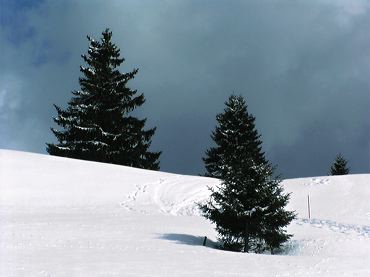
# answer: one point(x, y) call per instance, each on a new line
point(63, 217)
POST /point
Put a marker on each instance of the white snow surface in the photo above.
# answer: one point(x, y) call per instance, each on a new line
point(69, 218)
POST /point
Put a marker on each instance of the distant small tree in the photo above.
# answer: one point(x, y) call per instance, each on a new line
point(248, 207)
point(98, 124)
point(339, 167)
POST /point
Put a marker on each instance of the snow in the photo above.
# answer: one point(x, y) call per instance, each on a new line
point(62, 147)
point(83, 107)
point(89, 129)
point(67, 119)
point(63, 217)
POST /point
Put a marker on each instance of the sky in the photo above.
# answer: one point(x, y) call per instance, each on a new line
point(302, 66)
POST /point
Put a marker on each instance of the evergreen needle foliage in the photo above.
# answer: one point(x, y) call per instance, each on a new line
point(248, 206)
point(97, 124)
point(339, 166)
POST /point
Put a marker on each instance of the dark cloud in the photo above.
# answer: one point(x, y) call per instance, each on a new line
point(302, 66)
point(313, 152)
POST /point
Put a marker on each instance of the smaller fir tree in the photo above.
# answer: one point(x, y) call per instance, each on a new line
point(339, 166)
point(248, 207)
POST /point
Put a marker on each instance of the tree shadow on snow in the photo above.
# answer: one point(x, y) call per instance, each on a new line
point(188, 239)
point(291, 248)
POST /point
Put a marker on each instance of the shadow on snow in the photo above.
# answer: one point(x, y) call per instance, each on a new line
point(187, 239)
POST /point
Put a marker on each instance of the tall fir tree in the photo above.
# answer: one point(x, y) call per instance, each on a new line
point(248, 207)
point(339, 167)
point(98, 124)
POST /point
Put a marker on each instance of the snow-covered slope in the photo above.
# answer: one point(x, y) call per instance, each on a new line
point(47, 181)
point(64, 217)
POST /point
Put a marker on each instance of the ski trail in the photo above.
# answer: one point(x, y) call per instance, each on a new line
point(360, 230)
point(132, 197)
point(168, 196)
point(157, 196)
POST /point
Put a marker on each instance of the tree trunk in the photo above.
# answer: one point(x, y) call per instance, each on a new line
point(246, 238)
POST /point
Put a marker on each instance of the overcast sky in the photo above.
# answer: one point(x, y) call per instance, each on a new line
point(303, 67)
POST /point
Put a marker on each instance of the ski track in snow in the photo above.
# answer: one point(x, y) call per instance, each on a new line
point(129, 203)
point(145, 196)
point(319, 181)
point(360, 230)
